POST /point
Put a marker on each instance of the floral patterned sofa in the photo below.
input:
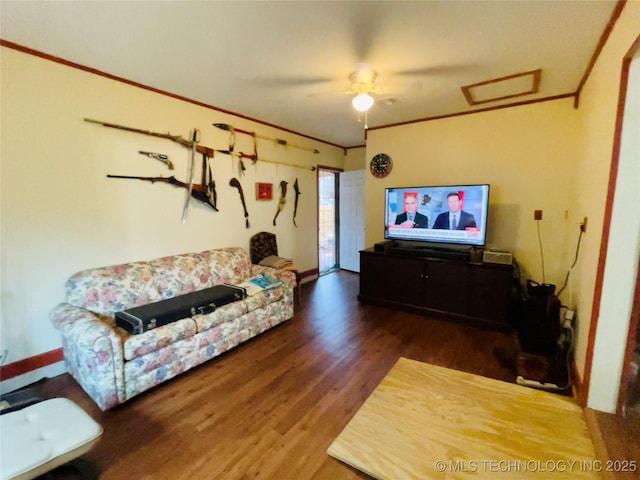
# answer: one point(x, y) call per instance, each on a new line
point(113, 366)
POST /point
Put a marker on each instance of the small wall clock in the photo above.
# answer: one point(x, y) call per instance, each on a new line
point(381, 165)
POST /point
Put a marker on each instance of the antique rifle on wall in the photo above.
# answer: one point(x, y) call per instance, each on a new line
point(199, 192)
point(283, 200)
point(206, 192)
point(277, 141)
point(175, 138)
point(234, 182)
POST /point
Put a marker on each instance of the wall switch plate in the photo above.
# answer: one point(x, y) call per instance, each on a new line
point(537, 214)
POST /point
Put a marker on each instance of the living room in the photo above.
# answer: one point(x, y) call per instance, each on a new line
point(61, 214)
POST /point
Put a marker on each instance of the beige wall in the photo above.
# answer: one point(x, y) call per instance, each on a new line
point(546, 156)
point(526, 155)
point(590, 179)
point(355, 159)
point(60, 213)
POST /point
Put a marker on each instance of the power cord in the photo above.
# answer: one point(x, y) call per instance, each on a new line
point(575, 260)
point(541, 251)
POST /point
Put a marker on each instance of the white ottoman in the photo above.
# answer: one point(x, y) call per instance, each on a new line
point(44, 436)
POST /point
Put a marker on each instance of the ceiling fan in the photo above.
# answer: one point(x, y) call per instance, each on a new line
point(363, 82)
point(364, 87)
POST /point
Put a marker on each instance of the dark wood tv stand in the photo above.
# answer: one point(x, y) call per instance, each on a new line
point(476, 293)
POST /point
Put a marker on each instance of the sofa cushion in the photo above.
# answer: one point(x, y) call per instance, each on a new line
point(180, 274)
point(109, 289)
point(227, 265)
point(136, 346)
point(163, 362)
point(264, 298)
point(220, 315)
point(227, 335)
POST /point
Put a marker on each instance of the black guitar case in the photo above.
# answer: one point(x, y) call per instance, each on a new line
point(147, 317)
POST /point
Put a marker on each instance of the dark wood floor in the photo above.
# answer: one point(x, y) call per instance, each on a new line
point(270, 408)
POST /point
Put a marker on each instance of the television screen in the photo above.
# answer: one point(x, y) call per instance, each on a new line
point(443, 214)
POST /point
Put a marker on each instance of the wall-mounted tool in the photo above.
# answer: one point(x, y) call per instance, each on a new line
point(277, 141)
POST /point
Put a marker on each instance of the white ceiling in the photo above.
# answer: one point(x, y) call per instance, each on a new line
point(285, 63)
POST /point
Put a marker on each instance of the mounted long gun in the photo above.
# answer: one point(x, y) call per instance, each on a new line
point(174, 138)
point(205, 192)
point(199, 192)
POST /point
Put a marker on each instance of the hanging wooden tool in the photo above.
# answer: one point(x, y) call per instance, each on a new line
point(277, 141)
point(282, 201)
point(235, 183)
point(295, 205)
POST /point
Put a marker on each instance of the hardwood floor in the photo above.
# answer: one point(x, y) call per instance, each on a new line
point(270, 408)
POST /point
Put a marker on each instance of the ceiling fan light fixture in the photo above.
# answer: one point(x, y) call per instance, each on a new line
point(362, 102)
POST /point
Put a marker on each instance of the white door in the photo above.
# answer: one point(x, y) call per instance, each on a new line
point(351, 219)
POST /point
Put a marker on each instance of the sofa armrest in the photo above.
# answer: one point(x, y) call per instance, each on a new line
point(83, 325)
point(287, 277)
point(93, 353)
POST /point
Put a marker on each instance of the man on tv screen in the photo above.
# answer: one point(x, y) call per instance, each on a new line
point(455, 218)
point(411, 218)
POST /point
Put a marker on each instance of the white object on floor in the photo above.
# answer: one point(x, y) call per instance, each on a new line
point(44, 436)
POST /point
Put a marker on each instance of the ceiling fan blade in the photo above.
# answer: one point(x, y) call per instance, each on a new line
point(434, 70)
point(366, 27)
point(404, 88)
point(388, 101)
point(330, 92)
point(282, 81)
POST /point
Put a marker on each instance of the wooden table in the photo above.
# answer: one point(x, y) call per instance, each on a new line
point(425, 421)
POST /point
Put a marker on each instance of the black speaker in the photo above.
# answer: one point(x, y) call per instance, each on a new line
point(382, 246)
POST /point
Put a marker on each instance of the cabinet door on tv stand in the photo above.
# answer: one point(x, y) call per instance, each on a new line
point(447, 286)
point(490, 292)
point(405, 280)
point(373, 272)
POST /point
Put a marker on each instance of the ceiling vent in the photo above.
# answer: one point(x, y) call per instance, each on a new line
point(512, 86)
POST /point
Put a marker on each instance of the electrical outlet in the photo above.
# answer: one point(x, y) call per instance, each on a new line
point(537, 214)
point(583, 225)
point(568, 319)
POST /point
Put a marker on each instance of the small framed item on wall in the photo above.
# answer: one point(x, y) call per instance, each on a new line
point(264, 191)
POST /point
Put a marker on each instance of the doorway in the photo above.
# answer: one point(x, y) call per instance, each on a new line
point(351, 216)
point(327, 220)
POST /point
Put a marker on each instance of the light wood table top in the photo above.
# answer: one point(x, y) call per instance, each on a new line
point(425, 421)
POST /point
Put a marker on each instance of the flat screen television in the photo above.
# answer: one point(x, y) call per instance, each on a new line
point(447, 214)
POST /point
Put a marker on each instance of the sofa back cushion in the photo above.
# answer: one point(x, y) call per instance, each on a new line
point(110, 289)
